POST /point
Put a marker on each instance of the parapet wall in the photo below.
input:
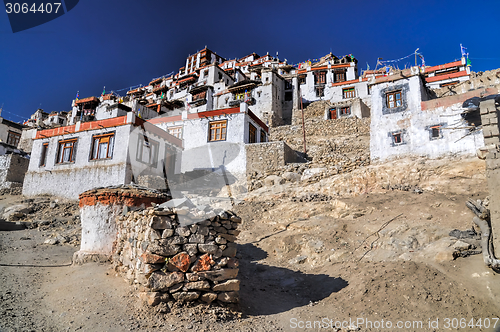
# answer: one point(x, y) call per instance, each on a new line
point(174, 261)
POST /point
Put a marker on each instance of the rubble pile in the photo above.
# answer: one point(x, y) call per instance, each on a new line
point(48, 214)
point(175, 260)
point(12, 191)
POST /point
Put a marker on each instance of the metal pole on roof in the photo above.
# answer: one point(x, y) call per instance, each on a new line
point(303, 124)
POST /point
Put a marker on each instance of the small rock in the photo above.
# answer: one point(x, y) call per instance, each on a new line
point(180, 261)
point(51, 241)
point(186, 296)
point(445, 255)
point(197, 238)
point(228, 297)
point(219, 275)
point(208, 297)
point(461, 245)
point(208, 248)
point(183, 231)
point(230, 285)
point(162, 281)
point(203, 263)
point(152, 258)
point(197, 285)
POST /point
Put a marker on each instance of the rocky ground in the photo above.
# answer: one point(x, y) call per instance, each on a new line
point(373, 244)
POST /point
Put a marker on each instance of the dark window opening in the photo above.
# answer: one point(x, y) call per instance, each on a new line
point(252, 137)
point(446, 71)
point(288, 95)
point(345, 111)
point(200, 95)
point(288, 84)
point(436, 131)
point(302, 79)
point(320, 77)
point(339, 76)
point(263, 136)
point(13, 138)
point(43, 158)
point(396, 138)
point(393, 99)
point(442, 85)
point(320, 91)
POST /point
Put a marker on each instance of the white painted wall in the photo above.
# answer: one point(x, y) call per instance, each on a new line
point(70, 179)
point(99, 228)
point(415, 123)
point(199, 153)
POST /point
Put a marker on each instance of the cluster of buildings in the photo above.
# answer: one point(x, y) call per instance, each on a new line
point(203, 117)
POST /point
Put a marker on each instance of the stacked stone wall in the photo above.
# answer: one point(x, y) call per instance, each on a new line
point(174, 261)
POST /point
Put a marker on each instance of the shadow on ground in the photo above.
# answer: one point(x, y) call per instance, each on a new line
point(267, 290)
point(10, 226)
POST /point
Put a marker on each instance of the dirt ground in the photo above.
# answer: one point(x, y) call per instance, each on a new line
point(310, 259)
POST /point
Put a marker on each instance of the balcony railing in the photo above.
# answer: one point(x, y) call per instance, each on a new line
point(250, 101)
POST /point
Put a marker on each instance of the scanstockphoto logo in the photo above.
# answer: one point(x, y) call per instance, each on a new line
point(25, 15)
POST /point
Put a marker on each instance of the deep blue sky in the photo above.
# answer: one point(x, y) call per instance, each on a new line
point(122, 43)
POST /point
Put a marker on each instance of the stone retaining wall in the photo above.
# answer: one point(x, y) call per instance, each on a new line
point(173, 261)
point(262, 157)
point(13, 167)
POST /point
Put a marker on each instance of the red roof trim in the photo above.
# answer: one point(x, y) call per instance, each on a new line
point(446, 65)
point(223, 111)
point(218, 112)
point(350, 82)
point(445, 77)
point(107, 123)
point(55, 132)
point(187, 79)
point(344, 65)
point(87, 100)
point(165, 119)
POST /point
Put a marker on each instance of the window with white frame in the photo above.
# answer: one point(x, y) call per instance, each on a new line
point(175, 131)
